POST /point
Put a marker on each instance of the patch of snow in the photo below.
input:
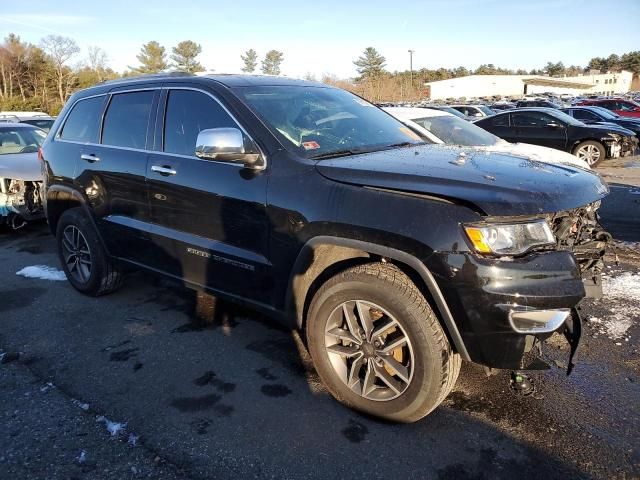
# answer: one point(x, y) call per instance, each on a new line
point(82, 457)
point(42, 272)
point(47, 386)
point(621, 297)
point(114, 428)
point(79, 404)
point(133, 439)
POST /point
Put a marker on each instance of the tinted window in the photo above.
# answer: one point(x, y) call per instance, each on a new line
point(125, 124)
point(530, 119)
point(585, 115)
point(188, 113)
point(44, 124)
point(83, 123)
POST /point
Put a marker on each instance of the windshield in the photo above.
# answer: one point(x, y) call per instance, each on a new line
point(486, 110)
point(20, 140)
point(604, 112)
point(564, 117)
point(455, 131)
point(318, 121)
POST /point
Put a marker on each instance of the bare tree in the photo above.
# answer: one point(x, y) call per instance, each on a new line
point(97, 61)
point(61, 50)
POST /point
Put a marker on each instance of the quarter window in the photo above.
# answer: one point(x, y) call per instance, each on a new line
point(125, 124)
point(83, 122)
point(188, 113)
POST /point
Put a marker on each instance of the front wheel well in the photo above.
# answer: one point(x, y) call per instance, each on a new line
point(320, 262)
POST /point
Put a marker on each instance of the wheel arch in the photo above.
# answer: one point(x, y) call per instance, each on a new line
point(324, 256)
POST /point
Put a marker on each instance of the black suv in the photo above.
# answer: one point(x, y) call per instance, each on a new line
point(396, 259)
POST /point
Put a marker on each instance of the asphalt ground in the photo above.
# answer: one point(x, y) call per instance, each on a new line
point(155, 381)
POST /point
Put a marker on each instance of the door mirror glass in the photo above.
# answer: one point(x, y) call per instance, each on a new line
point(553, 125)
point(228, 145)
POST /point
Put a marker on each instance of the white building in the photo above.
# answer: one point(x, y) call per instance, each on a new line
point(519, 85)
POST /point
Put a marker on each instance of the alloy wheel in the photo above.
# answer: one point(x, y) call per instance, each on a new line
point(369, 350)
point(589, 153)
point(77, 254)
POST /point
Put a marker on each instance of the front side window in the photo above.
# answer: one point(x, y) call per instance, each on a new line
point(188, 113)
point(83, 122)
point(318, 121)
point(20, 140)
point(126, 120)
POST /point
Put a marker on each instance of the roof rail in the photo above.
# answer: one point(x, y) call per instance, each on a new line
point(145, 76)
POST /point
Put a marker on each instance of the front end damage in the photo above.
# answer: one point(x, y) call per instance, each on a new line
point(578, 231)
point(20, 202)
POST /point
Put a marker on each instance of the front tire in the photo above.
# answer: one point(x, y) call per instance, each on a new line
point(377, 344)
point(84, 260)
point(591, 152)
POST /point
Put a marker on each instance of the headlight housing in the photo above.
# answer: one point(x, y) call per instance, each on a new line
point(509, 239)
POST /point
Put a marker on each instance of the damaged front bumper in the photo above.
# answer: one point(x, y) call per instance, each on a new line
point(505, 307)
point(20, 202)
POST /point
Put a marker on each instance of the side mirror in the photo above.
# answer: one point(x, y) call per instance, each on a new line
point(554, 125)
point(228, 145)
point(477, 114)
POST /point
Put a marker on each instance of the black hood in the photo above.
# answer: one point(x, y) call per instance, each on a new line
point(498, 184)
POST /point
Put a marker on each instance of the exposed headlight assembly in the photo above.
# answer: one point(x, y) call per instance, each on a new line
point(509, 239)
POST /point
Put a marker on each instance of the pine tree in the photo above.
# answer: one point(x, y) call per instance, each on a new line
point(271, 62)
point(250, 60)
point(370, 64)
point(152, 58)
point(184, 56)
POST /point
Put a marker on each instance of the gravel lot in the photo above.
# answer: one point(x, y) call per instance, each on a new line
point(156, 382)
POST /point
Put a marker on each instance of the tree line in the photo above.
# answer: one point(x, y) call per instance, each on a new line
point(43, 76)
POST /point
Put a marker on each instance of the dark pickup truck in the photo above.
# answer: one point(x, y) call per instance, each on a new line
point(396, 259)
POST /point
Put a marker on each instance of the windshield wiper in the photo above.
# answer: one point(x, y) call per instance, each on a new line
point(341, 153)
point(356, 151)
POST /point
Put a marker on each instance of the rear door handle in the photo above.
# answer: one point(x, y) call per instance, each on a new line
point(163, 170)
point(90, 157)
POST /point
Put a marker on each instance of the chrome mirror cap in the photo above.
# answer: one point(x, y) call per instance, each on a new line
point(228, 145)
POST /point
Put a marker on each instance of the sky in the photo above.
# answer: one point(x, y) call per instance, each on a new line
point(324, 37)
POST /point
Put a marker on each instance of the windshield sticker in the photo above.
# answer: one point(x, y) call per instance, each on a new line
point(311, 145)
point(409, 133)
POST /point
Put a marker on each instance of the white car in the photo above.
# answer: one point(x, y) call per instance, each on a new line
point(445, 128)
point(20, 174)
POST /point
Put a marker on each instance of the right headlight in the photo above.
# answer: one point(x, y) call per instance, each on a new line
point(509, 239)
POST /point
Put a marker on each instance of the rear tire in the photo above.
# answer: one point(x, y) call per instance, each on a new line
point(409, 380)
point(591, 152)
point(84, 260)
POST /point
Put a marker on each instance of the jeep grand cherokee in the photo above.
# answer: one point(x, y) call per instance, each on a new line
point(396, 259)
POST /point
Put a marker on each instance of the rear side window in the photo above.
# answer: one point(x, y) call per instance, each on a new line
point(83, 122)
point(125, 124)
point(585, 115)
point(188, 113)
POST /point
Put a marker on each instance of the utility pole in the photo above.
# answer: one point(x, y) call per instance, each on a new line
point(411, 52)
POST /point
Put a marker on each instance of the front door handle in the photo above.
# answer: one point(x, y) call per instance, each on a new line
point(90, 157)
point(163, 170)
